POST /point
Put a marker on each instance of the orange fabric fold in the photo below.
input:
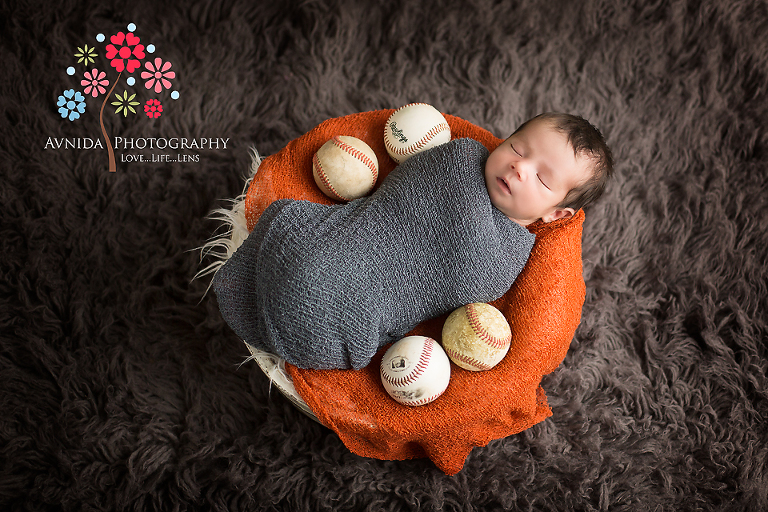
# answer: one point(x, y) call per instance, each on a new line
point(543, 308)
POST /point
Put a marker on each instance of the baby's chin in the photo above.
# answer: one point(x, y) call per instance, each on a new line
point(503, 210)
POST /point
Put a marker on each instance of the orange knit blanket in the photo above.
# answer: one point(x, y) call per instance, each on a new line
point(543, 308)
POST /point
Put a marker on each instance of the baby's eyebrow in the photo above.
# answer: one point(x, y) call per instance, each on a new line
point(552, 179)
point(518, 140)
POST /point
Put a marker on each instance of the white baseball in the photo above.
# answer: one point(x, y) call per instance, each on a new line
point(345, 168)
point(414, 128)
point(415, 370)
point(476, 336)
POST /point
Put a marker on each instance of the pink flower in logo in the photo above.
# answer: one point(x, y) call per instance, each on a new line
point(153, 109)
point(158, 75)
point(94, 82)
point(125, 52)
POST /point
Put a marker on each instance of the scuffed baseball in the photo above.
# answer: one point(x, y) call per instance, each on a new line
point(345, 168)
point(414, 128)
point(476, 336)
point(415, 370)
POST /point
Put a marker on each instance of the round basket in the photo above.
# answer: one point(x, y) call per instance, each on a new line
point(274, 368)
point(221, 247)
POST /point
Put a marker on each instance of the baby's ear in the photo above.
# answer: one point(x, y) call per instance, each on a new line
point(558, 213)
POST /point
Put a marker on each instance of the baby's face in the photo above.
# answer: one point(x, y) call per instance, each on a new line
point(531, 172)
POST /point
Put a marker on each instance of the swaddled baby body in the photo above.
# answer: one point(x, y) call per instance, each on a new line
point(325, 286)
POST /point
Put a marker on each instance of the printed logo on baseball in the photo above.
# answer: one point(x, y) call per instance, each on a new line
point(476, 336)
point(414, 128)
point(345, 168)
point(415, 370)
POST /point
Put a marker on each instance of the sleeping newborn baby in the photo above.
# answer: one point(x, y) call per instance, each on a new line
point(326, 286)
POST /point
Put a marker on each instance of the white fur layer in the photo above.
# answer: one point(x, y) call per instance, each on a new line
point(221, 247)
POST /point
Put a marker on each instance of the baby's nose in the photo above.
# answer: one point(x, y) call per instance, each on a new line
point(523, 170)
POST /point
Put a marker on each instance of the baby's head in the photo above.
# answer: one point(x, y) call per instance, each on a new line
point(552, 166)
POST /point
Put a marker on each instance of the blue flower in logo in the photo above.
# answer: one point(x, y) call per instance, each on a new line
point(71, 104)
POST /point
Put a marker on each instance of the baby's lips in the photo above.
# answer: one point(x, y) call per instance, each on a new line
point(504, 185)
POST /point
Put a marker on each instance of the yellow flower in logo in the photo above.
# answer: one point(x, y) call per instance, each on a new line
point(125, 104)
point(86, 55)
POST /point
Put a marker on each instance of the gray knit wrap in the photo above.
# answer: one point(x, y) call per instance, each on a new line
point(326, 286)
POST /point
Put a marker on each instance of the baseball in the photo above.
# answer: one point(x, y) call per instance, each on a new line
point(414, 128)
point(476, 336)
point(415, 370)
point(345, 168)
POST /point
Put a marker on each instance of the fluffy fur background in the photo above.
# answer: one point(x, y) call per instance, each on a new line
point(120, 385)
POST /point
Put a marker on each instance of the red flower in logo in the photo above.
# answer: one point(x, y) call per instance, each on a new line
point(125, 52)
point(153, 109)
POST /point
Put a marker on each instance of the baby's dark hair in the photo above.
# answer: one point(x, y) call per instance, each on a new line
point(587, 141)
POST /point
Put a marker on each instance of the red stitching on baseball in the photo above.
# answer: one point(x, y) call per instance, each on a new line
point(417, 370)
point(471, 361)
point(324, 178)
point(419, 144)
point(359, 155)
point(483, 333)
point(427, 400)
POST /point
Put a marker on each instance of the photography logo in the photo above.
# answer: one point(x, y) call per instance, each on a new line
point(126, 56)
